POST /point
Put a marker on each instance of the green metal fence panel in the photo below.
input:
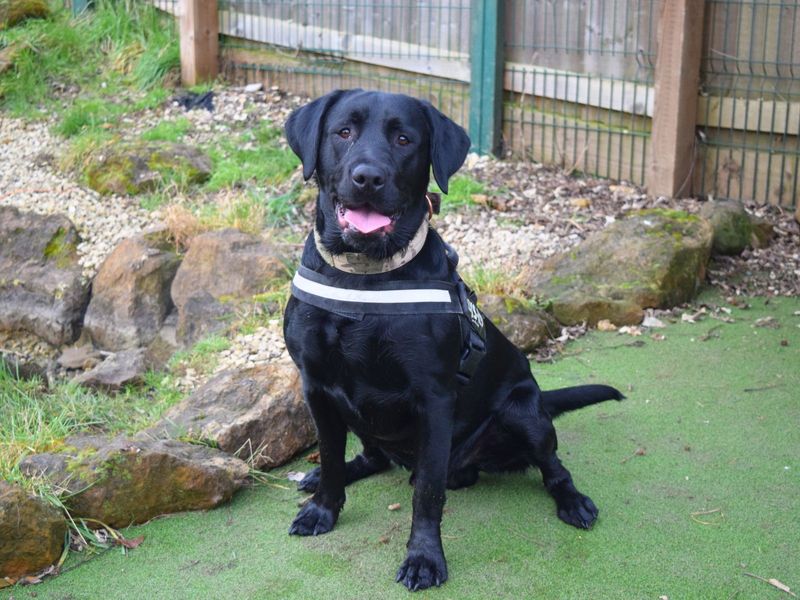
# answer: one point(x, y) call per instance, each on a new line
point(749, 130)
point(486, 77)
point(579, 76)
point(80, 6)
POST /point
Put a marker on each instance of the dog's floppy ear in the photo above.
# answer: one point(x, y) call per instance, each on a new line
point(304, 129)
point(449, 145)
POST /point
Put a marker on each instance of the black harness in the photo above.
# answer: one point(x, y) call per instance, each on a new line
point(402, 298)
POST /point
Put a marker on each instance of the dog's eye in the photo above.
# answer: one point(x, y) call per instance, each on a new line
point(344, 133)
point(403, 140)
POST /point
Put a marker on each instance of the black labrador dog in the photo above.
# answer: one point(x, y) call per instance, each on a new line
point(388, 346)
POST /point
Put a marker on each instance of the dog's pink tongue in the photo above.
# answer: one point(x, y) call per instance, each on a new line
point(366, 220)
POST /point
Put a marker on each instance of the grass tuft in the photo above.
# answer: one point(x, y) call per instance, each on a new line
point(460, 191)
point(496, 282)
point(203, 357)
point(168, 131)
point(254, 157)
point(119, 44)
point(35, 419)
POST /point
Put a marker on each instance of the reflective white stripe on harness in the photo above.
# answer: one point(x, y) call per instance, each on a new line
point(401, 298)
point(408, 296)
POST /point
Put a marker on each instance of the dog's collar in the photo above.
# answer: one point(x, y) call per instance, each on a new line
point(361, 264)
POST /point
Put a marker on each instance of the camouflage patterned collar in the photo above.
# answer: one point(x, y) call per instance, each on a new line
point(360, 264)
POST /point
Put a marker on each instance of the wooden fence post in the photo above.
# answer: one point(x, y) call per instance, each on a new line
point(677, 80)
point(199, 41)
point(486, 85)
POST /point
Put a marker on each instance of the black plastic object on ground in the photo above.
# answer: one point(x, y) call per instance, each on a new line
point(192, 100)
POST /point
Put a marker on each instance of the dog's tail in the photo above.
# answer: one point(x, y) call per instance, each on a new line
point(557, 402)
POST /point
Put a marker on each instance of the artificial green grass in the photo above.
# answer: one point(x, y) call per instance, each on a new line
point(710, 424)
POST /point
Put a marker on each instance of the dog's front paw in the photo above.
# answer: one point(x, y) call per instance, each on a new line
point(422, 570)
point(313, 519)
point(310, 482)
point(578, 510)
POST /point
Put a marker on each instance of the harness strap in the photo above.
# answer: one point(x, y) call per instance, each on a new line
point(387, 298)
point(400, 298)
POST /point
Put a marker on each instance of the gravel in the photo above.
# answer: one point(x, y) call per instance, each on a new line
point(29, 181)
point(530, 211)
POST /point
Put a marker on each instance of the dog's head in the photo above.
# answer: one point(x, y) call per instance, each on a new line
point(372, 154)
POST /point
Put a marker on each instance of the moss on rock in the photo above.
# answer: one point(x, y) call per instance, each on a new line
point(135, 168)
point(733, 228)
point(653, 258)
point(62, 248)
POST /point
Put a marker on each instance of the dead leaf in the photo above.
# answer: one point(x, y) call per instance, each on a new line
point(695, 316)
point(606, 325)
point(659, 337)
point(774, 583)
point(770, 322)
point(313, 457)
point(781, 586)
point(631, 330)
point(481, 199)
point(499, 203)
point(621, 190)
point(638, 452)
point(581, 202)
point(132, 543)
point(395, 506)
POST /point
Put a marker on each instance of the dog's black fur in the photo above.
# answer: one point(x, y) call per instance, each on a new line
point(392, 379)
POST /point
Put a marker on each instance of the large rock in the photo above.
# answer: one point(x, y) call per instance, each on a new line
point(119, 369)
point(141, 167)
point(125, 481)
point(258, 411)
point(32, 533)
point(131, 294)
point(41, 286)
point(526, 327)
point(651, 259)
point(220, 269)
point(733, 229)
point(164, 345)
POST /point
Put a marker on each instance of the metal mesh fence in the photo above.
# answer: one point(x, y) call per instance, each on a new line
point(749, 109)
point(579, 83)
point(312, 47)
point(578, 76)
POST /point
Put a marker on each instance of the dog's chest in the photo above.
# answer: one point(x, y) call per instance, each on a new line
point(374, 368)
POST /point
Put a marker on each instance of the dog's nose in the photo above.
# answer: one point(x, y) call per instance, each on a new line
point(368, 177)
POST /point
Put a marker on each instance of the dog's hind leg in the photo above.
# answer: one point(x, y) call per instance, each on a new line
point(371, 461)
point(534, 430)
